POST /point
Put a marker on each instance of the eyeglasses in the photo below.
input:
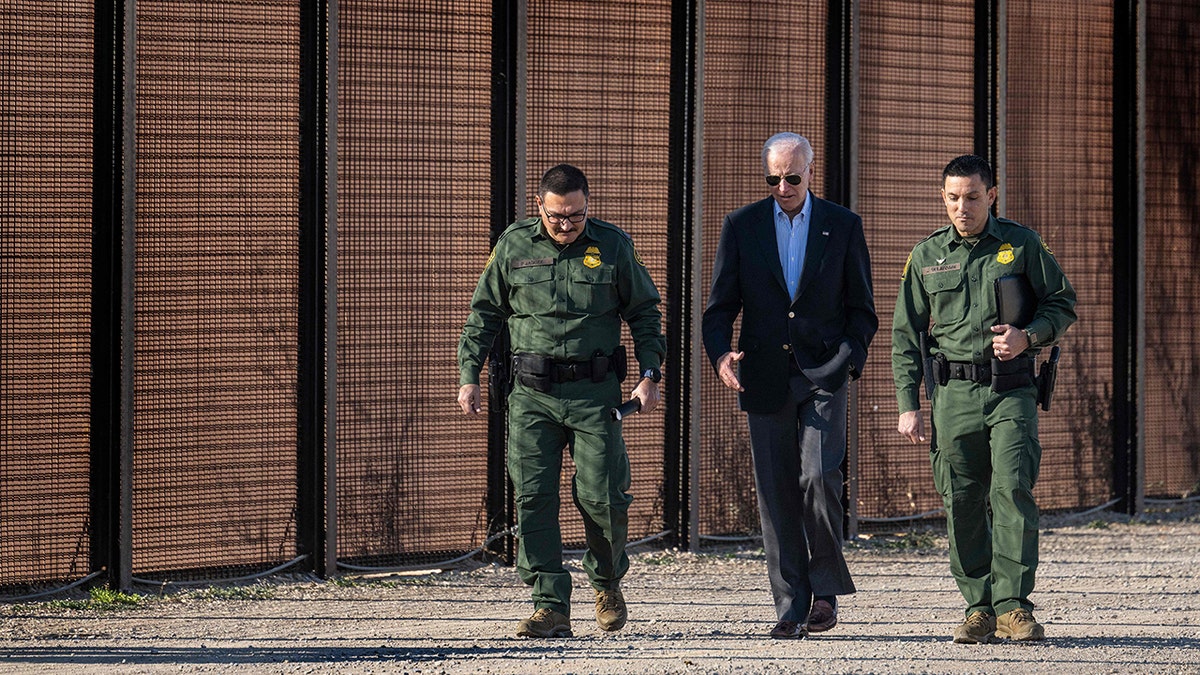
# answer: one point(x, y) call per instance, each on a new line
point(558, 218)
point(791, 178)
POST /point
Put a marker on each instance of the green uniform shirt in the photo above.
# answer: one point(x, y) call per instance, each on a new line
point(950, 283)
point(564, 303)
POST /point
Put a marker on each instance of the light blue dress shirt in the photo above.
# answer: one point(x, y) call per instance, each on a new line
point(791, 234)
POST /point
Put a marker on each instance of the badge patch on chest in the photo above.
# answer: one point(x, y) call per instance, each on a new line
point(1006, 254)
point(591, 257)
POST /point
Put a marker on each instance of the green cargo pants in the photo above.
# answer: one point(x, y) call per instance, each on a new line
point(574, 415)
point(987, 450)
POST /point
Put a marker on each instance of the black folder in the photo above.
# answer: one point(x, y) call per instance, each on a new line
point(1015, 301)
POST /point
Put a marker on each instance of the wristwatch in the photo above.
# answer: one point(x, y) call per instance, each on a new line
point(652, 374)
point(1032, 337)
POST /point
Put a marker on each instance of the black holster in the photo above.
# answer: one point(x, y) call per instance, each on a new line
point(1010, 375)
point(619, 363)
point(600, 366)
point(500, 374)
point(1047, 378)
point(939, 369)
point(926, 364)
point(533, 371)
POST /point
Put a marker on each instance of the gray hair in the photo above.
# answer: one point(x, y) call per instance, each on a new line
point(787, 142)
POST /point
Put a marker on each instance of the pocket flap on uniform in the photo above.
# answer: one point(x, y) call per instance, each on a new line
point(531, 275)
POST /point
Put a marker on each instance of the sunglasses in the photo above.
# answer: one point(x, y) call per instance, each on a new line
point(791, 178)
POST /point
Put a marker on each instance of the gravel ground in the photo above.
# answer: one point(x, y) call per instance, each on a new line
point(1116, 596)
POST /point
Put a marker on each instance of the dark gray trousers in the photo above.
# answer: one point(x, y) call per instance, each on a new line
point(798, 453)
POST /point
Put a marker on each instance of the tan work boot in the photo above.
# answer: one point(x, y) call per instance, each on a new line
point(979, 627)
point(610, 610)
point(545, 623)
point(1019, 625)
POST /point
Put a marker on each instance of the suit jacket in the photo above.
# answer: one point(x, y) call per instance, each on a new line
point(825, 329)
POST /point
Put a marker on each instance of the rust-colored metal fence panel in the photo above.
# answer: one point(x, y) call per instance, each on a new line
point(45, 290)
point(216, 279)
point(414, 187)
point(764, 72)
point(916, 112)
point(598, 97)
point(1058, 182)
point(1172, 249)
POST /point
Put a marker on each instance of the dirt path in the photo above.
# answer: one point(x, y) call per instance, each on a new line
point(1115, 596)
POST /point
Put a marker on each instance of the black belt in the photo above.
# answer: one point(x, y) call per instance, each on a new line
point(569, 371)
point(979, 373)
point(555, 370)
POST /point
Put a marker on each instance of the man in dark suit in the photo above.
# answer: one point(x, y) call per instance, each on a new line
point(796, 267)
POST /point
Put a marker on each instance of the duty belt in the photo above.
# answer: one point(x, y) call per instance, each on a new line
point(569, 371)
point(558, 370)
point(979, 373)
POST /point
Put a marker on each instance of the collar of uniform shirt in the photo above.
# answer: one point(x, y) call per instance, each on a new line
point(989, 230)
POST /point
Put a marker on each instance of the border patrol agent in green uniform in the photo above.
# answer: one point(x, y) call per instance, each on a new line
point(564, 283)
point(985, 403)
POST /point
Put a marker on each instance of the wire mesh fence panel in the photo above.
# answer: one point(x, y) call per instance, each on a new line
point(916, 112)
point(1172, 247)
point(764, 72)
point(1058, 181)
point(413, 235)
point(597, 97)
point(216, 277)
point(45, 290)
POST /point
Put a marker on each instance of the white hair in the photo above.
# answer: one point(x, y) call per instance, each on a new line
point(787, 142)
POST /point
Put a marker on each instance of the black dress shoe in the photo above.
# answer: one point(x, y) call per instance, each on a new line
point(823, 615)
point(787, 630)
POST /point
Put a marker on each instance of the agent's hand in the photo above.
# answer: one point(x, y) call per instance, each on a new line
point(727, 370)
point(469, 400)
point(647, 392)
point(911, 427)
point(1009, 341)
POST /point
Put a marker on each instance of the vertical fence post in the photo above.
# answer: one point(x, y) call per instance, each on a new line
point(113, 212)
point(840, 155)
point(331, 287)
point(310, 376)
point(506, 54)
point(1128, 254)
point(682, 229)
point(987, 122)
point(690, 421)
